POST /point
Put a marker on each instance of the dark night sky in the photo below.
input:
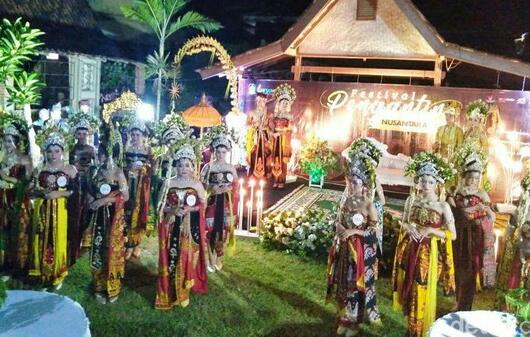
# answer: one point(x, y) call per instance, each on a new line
point(489, 25)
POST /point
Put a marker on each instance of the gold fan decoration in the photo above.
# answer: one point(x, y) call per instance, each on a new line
point(201, 44)
point(128, 101)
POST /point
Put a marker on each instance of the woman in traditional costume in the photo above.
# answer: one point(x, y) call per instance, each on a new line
point(425, 242)
point(219, 177)
point(108, 194)
point(365, 147)
point(15, 206)
point(50, 217)
point(474, 245)
point(511, 271)
point(82, 156)
point(476, 114)
point(138, 172)
point(181, 234)
point(258, 146)
point(281, 133)
point(352, 261)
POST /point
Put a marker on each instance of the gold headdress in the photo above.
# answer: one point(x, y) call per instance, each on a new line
point(284, 92)
point(185, 151)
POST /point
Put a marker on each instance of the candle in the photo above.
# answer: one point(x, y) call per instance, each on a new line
point(251, 183)
point(241, 208)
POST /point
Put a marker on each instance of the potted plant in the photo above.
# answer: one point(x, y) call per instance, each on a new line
point(316, 160)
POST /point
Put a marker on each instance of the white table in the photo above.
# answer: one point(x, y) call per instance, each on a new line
point(41, 314)
point(475, 324)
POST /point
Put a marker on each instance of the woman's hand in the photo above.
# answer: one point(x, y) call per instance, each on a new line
point(94, 205)
point(424, 232)
point(170, 210)
point(53, 195)
point(412, 231)
point(345, 234)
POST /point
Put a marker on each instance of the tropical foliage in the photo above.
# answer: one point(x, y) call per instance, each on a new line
point(162, 17)
point(302, 233)
point(317, 158)
point(18, 43)
point(116, 75)
point(445, 170)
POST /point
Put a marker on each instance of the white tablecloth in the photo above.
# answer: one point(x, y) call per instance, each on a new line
point(41, 314)
point(475, 324)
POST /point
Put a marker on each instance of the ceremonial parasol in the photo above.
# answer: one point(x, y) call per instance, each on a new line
point(202, 115)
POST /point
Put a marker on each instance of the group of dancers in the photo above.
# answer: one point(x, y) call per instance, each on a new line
point(143, 177)
point(446, 237)
point(109, 198)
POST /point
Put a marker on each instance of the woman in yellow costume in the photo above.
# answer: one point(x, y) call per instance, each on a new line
point(425, 241)
point(15, 205)
point(352, 260)
point(281, 133)
point(511, 270)
point(108, 192)
point(50, 218)
point(449, 137)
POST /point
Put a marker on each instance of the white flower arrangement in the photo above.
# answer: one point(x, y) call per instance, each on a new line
point(304, 234)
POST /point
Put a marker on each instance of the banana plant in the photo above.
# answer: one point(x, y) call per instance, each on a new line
point(163, 19)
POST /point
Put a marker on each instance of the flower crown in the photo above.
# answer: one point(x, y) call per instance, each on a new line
point(470, 157)
point(363, 147)
point(54, 138)
point(362, 168)
point(185, 151)
point(83, 120)
point(428, 163)
point(284, 91)
point(219, 135)
point(477, 110)
point(137, 124)
point(453, 108)
point(54, 135)
point(11, 130)
point(221, 140)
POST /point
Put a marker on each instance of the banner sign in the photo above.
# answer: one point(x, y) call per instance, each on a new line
point(340, 112)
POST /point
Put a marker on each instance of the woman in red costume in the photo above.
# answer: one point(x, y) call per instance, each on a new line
point(474, 252)
point(181, 234)
point(138, 161)
point(219, 177)
point(15, 206)
point(281, 133)
point(352, 261)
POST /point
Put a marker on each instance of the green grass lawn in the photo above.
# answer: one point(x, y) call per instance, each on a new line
point(258, 293)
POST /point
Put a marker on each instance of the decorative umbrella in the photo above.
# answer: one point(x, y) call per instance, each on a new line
point(202, 115)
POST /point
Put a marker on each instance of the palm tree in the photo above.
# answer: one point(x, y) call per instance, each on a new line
point(161, 17)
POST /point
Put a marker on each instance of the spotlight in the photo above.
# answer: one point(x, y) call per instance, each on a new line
point(145, 112)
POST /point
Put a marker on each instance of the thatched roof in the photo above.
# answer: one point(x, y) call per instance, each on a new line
point(328, 29)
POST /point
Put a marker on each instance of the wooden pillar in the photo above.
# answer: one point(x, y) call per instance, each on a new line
point(297, 67)
point(438, 71)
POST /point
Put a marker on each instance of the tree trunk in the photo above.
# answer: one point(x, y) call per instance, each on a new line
point(34, 150)
point(159, 84)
